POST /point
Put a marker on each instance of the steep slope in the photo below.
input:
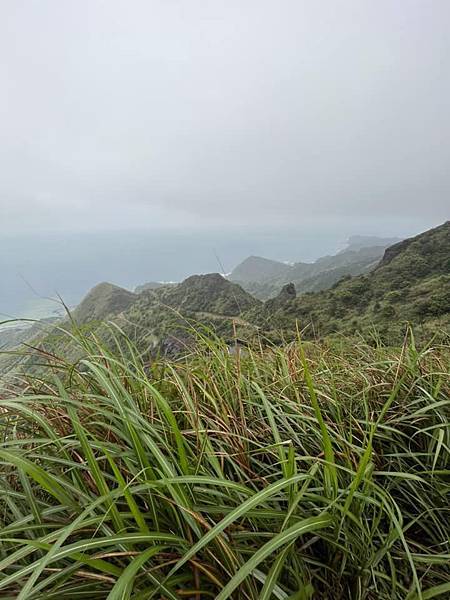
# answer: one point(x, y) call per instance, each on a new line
point(411, 284)
point(104, 300)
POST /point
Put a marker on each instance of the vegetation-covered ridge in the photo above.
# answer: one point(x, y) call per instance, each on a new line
point(309, 471)
point(410, 285)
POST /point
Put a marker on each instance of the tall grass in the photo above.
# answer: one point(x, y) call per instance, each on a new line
point(310, 471)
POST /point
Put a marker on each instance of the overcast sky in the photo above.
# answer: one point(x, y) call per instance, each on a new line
point(223, 113)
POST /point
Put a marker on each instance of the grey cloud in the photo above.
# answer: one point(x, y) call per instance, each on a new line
point(190, 113)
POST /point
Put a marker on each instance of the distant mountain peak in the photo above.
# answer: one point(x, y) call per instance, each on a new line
point(211, 293)
point(264, 277)
point(257, 268)
point(103, 300)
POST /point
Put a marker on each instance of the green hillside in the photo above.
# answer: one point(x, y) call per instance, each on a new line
point(161, 319)
point(410, 285)
point(103, 301)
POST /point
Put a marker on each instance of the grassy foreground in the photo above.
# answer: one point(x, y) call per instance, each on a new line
point(313, 471)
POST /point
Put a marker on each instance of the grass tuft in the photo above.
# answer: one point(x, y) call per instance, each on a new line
point(309, 471)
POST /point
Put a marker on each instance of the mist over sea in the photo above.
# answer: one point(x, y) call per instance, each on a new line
point(34, 267)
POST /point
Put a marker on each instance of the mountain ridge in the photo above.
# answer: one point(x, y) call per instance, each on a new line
point(264, 277)
point(411, 284)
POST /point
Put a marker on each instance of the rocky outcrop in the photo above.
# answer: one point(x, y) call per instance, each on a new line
point(286, 295)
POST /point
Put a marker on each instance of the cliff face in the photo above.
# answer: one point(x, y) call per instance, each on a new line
point(287, 295)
